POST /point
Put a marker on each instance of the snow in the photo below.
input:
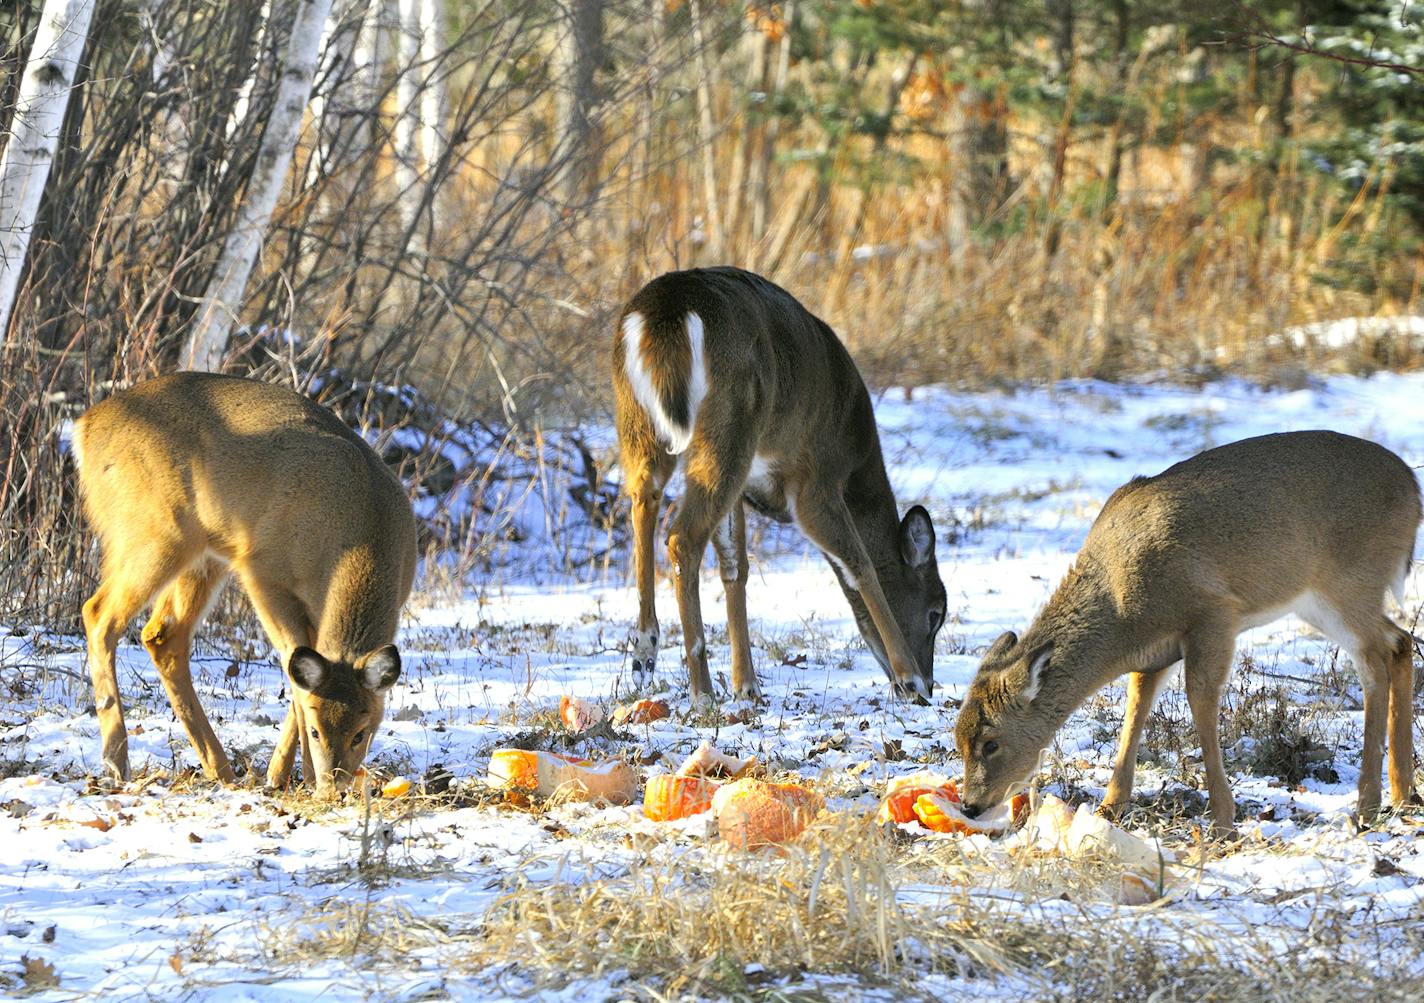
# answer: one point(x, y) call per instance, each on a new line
point(174, 889)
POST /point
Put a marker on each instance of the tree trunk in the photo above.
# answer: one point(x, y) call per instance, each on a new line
point(34, 134)
point(407, 132)
point(207, 342)
point(338, 97)
point(1112, 173)
point(242, 105)
point(580, 53)
point(707, 136)
point(433, 106)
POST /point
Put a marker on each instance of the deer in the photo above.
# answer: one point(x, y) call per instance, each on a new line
point(1175, 566)
point(726, 374)
point(192, 478)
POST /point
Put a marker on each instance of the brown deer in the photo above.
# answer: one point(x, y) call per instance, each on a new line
point(190, 477)
point(1174, 567)
point(724, 372)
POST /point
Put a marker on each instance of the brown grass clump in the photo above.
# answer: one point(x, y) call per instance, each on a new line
point(700, 923)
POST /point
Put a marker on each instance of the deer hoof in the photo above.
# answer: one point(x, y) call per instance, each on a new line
point(644, 645)
point(913, 689)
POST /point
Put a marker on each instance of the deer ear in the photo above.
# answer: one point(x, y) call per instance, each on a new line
point(382, 668)
point(1033, 676)
point(1002, 645)
point(917, 539)
point(307, 668)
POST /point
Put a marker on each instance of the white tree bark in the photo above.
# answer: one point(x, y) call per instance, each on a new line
point(432, 93)
point(407, 132)
point(207, 342)
point(34, 134)
point(249, 82)
point(338, 89)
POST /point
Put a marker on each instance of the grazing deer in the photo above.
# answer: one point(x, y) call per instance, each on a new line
point(724, 371)
point(190, 477)
point(1174, 567)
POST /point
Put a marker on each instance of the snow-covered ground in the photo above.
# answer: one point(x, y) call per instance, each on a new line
point(175, 889)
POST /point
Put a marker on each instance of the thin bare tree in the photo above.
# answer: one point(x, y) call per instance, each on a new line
point(34, 134)
point(208, 338)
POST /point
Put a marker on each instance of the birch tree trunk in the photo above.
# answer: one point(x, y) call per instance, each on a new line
point(433, 108)
point(207, 342)
point(34, 134)
point(406, 134)
point(336, 90)
point(244, 95)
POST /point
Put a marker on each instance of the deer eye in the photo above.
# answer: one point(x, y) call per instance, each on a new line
point(356, 739)
point(991, 747)
point(314, 733)
point(936, 618)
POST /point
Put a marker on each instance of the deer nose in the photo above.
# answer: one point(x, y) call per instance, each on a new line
point(973, 810)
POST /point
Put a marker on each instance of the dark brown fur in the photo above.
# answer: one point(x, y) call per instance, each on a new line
point(780, 387)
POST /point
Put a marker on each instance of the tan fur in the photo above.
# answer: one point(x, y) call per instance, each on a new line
point(1174, 568)
point(782, 394)
point(191, 477)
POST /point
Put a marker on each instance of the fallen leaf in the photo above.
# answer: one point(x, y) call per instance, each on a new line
point(193, 837)
point(175, 963)
point(98, 822)
point(37, 973)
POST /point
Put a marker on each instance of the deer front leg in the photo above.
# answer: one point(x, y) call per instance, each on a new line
point(729, 539)
point(827, 522)
point(1207, 654)
point(1142, 689)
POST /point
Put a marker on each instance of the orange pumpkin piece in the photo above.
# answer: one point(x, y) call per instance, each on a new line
point(641, 712)
point(669, 797)
point(396, 787)
point(754, 813)
point(899, 803)
point(940, 814)
point(578, 714)
point(548, 773)
point(1018, 810)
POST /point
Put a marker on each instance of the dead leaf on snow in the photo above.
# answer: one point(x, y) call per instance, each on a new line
point(37, 973)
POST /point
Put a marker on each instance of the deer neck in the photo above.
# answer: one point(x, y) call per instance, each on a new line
point(873, 510)
point(1092, 643)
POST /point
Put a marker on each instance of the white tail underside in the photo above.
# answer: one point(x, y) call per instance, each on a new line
point(645, 393)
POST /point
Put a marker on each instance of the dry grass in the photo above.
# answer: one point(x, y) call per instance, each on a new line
point(852, 908)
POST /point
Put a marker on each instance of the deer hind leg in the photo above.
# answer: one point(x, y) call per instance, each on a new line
point(729, 539)
point(647, 476)
point(1142, 690)
point(1207, 652)
point(288, 624)
point(131, 578)
point(168, 636)
point(1401, 716)
point(714, 483)
point(1361, 629)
